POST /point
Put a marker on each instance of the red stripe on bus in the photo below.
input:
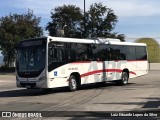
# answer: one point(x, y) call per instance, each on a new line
point(132, 73)
point(91, 73)
point(117, 60)
point(106, 70)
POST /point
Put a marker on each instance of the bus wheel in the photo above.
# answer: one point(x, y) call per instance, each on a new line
point(124, 79)
point(72, 83)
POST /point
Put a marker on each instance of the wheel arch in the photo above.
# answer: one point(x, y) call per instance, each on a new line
point(126, 70)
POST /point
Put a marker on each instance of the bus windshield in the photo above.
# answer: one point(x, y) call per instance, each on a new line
point(31, 58)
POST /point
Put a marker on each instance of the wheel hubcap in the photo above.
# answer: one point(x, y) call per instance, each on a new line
point(124, 79)
point(73, 83)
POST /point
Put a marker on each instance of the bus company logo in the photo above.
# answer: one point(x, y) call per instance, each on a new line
point(6, 114)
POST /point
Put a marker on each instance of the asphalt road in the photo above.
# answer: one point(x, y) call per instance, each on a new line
point(142, 93)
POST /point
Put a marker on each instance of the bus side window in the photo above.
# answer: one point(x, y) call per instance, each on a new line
point(88, 52)
point(109, 54)
point(50, 55)
point(117, 52)
point(70, 55)
point(55, 53)
point(95, 50)
point(104, 53)
point(67, 52)
point(131, 53)
point(141, 53)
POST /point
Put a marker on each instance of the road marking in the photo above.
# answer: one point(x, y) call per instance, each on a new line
point(8, 81)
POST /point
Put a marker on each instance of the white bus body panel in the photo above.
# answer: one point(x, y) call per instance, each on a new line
point(96, 71)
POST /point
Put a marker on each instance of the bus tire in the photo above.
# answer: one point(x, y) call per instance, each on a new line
point(124, 79)
point(72, 83)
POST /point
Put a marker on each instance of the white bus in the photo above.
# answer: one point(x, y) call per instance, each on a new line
point(51, 62)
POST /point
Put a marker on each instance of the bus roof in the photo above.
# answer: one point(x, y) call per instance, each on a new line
point(94, 41)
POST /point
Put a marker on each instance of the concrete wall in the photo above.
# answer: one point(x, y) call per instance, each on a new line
point(154, 66)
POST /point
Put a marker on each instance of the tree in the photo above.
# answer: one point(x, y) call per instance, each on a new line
point(101, 21)
point(67, 18)
point(118, 36)
point(14, 28)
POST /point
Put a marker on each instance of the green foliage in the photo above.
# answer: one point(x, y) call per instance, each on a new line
point(98, 21)
point(16, 27)
point(68, 18)
point(5, 69)
point(118, 36)
point(101, 21)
